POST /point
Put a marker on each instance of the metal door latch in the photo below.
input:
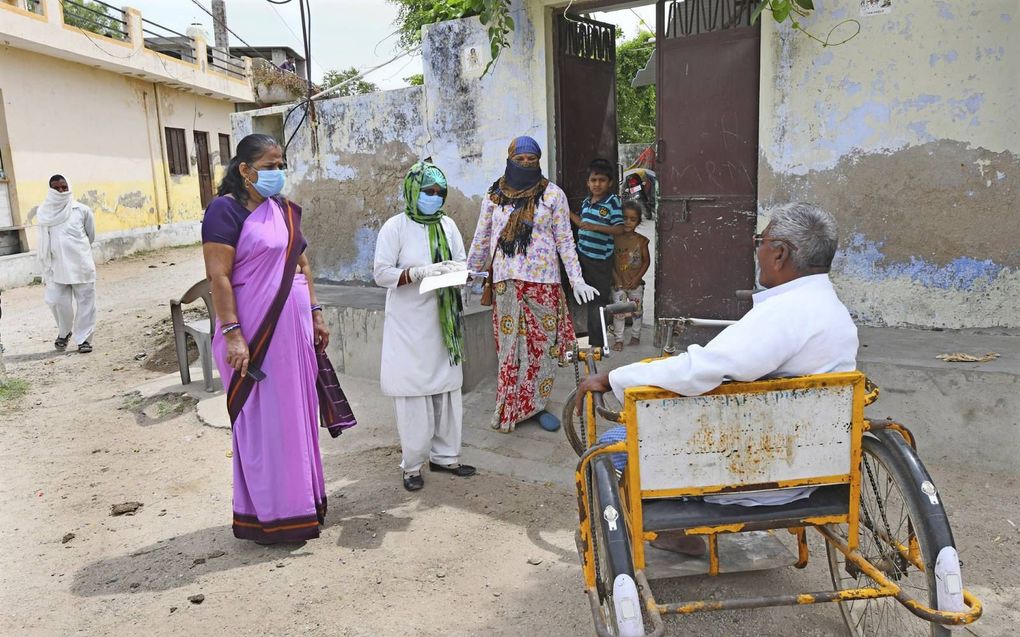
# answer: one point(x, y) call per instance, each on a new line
point(685, 213)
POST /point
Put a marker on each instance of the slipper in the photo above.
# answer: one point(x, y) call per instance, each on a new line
point(413, 481)
point(85, 348)
point(460, 470)
point(61, 342)
point(547, 421)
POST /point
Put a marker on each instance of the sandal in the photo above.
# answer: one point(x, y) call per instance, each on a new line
point(61, 342)
point(460, 470)
point(547, 421)
point(85, 348)
point(618, 346)
point(413, 481)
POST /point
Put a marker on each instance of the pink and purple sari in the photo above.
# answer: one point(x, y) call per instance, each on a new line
point(279, 490)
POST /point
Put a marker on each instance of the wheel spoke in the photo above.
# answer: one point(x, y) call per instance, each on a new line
point(885, 526)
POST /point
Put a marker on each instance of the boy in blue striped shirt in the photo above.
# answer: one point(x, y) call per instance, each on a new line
point(600, 220)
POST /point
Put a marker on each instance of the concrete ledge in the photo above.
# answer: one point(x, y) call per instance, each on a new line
point(112, 245)
point(17, 270)
point(355, 317)
point(961, 413)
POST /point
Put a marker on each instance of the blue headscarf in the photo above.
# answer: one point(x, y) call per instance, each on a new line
point(524, 144)
point(523, 188)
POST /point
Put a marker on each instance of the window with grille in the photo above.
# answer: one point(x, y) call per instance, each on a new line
point(176, 151)
point(224, 149)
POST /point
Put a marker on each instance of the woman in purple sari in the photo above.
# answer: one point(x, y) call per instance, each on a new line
point(268, 325)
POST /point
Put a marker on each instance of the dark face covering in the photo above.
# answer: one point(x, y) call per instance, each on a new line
point(521, 177)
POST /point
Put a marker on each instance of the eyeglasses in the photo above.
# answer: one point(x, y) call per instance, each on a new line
point(760, 238)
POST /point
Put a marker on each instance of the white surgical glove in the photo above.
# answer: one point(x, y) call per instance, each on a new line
point(584, 293)
point(453, 266)
point(419, 272)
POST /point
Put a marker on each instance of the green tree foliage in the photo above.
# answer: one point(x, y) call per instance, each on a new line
point(794, 10)
point(415, 80)
point(93, 17)
point(635, 107)
point(357, 87)
point(412, 15)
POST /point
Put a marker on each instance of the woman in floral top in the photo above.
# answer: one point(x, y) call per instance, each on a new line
point(524, 231)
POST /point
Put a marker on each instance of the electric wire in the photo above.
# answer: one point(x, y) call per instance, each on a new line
point(199, 5)
point(292, 32)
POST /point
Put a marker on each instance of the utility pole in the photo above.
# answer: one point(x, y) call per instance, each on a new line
point(219, 12)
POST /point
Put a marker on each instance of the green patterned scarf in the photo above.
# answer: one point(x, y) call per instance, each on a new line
point(422, 175)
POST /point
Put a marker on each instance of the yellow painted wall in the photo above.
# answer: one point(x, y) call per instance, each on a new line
point(103, 132)
point(193, 113)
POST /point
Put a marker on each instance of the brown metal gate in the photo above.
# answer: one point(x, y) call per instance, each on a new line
point(707, 87)
point(205, 186)
point(585, 101)
point(585, 79)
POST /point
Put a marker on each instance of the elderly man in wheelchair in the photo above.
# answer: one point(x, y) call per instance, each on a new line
point(794, 449)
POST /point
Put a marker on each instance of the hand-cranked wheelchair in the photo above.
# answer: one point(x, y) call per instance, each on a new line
point(889, 548)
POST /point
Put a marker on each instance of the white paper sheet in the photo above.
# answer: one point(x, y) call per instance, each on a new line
point(447, 280)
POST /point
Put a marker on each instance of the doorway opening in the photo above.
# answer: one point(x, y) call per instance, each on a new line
point(698, 136)
point(205, 181)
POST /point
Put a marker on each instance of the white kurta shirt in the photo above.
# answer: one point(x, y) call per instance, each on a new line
point(794, 329)
point(70, 261)
point(415, 362)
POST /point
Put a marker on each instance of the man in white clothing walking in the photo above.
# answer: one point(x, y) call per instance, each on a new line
point(67, 230)
point(798, 326)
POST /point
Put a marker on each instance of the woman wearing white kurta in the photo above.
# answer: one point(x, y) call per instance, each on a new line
point(423, 338)
point(66, 232)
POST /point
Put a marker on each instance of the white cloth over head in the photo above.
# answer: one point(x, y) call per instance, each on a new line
point(66, 232)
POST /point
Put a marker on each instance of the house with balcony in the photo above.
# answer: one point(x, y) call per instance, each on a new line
point(136, 115)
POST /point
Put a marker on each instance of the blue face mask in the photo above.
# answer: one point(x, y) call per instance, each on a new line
point(270, 182)
point(429, 204)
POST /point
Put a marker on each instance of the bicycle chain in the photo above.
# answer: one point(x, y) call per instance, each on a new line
point(895, 558)
point(577, 383)
point(593, 515)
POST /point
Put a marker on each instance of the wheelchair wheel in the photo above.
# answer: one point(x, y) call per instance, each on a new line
point(893, 510)
point(613, 558)
point(573, 425)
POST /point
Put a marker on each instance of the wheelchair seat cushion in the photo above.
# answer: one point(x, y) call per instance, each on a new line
point(676, 514)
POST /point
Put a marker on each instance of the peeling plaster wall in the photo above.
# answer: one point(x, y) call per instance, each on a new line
point(103, 131)
point(908, 134)
point(349, 182)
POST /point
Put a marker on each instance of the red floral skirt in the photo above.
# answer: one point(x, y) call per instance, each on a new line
point(533, 331)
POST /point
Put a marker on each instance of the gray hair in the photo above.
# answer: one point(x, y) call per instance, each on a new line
point(810, 229)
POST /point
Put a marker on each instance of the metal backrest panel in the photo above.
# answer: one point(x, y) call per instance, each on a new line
point(748, 436)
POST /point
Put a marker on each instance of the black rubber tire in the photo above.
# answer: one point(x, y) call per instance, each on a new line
point(891, 455)
point(612, 545)
point(571, 422)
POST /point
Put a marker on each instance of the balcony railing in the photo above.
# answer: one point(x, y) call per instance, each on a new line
point(225, 63)
point(97, 20)
point(167, 41)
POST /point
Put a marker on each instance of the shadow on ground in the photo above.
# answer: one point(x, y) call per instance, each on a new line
point(361, 515)
point(175, 562)
point(13, 359)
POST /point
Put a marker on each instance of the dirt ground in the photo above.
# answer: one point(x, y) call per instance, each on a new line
point(490, 555)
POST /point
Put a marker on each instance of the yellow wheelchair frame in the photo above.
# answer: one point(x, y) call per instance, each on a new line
point(634, 498)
